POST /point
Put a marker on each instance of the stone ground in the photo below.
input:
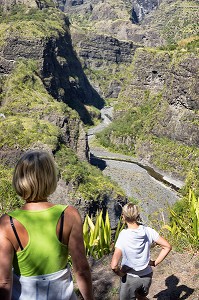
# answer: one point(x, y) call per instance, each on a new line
point(177, 277)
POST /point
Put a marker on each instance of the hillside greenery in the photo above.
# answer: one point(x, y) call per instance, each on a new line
point(30, 115)
point(173, 21)
point(182, 24)
point(23, 22)
point(24, 95)
point(87, 181)
point(8, 198)
point(27, 107)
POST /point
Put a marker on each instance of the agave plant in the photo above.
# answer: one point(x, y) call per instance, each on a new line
point(97, 237)
point(186, 228)
point(194, 213)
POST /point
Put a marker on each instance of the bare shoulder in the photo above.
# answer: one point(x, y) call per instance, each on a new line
point(4, 221)
point(5, 226)
point(72, 213)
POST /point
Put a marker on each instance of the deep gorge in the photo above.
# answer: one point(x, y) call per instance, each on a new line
point(58, 72)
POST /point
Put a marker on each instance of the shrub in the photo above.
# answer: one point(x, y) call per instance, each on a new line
point(9, 200)
point(97, 237)
point(184, 223)
point(88, 181)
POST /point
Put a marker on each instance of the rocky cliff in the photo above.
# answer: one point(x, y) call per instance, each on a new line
point(133, 74)
point(57, 75)
point(9, 4)
point(98, 52)
point(45, 101)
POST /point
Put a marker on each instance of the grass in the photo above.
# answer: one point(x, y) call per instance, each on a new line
point(27, 106)
point(24, 132)
point(25, 93)
point(32, 23)
point(9, 200)
point(88, 181)
point(184, 222)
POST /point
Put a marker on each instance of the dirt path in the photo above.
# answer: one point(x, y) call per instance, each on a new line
point(177, 277)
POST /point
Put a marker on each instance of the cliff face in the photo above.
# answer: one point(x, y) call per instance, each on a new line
point(8, 4)
point(62, 75)
point(109, 38)
point(174, 77)
point(104, 49)
point(60, 69)
point(99, 54)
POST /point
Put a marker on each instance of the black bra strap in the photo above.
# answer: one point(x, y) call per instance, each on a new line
point(61, 227)
point(15, 232)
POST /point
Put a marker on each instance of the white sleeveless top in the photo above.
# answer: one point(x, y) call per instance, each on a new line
point(55, 286)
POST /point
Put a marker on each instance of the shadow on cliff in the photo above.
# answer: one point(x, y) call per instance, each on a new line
point(64, 77)
point(97, 162)
point(174, 291)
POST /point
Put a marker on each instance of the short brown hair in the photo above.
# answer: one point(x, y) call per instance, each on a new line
point(35, 176)
point(131, 213)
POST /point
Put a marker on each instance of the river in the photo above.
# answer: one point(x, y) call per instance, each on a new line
point(153, 191)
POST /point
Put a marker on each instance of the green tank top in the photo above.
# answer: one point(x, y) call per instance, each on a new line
point(44, 253)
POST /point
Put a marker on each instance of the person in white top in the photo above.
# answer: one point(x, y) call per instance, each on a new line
point(133, 246)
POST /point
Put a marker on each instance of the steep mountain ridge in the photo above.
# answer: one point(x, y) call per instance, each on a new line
point(96, 54)
point(158, 85)
point(45, 99)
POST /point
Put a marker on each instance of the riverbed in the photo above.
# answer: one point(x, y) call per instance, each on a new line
point(154, 192)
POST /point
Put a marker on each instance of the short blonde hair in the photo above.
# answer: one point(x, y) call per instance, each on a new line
point(35, 176)
point(131, 213)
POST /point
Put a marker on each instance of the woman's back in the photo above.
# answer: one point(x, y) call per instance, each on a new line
point(30, 239)
point(135, 245)
point(44, 253)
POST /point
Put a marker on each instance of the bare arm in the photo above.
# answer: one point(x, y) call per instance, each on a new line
point(115, 262)
point(166, 248)
point(77, 252)
point(6, 258)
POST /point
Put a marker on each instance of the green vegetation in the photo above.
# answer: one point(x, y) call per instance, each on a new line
point(184, 223)
point(178, 20)
point(97, 237)
point(24, 95)
point(190, 44)
point(24, 132)
point(9, 200)
point(87, 181)
point(32, 23)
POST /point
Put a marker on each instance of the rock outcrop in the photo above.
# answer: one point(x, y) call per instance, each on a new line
point(175, 76)
point(60, 69)
point(63, 77)
point(141, 8)
point(8, 4)
point(104, 49)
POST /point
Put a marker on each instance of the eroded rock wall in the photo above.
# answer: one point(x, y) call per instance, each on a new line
point(63, 78)
point(8, 4)
point(174, 76)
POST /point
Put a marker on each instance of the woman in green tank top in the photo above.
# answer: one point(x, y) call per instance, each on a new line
point(35, 240)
